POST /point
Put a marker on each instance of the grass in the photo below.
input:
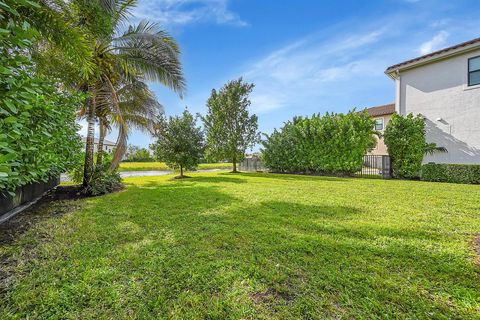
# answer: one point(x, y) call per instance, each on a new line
point(240, 246)
point(161, 166)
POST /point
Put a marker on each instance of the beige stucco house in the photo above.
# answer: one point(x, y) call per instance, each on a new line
point(444, 87)
point(381, 115)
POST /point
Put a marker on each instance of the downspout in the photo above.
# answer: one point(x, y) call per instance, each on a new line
point(398, 93)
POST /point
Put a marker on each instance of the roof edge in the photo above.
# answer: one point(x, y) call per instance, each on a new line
point(435, 56)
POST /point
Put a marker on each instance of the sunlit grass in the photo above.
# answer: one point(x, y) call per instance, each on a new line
point(161, 166)
point(242, 246)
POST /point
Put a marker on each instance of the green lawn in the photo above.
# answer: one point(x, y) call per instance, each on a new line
point(161, 166)
point(243, 246)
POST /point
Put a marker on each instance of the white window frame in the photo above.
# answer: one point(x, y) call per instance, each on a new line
point(383, 124)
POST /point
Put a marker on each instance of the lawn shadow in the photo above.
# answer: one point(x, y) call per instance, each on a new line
point(222, 177)
point(293, 177)
point(314, 239)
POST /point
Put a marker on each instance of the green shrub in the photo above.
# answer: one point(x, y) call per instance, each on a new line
point(454, 173)
point(334, 143)
point(38, 133)
point(76, 174)
point(405, 140)
point(104, 181)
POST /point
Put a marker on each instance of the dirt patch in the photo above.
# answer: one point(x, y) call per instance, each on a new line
point(271, 296)
point(180, 177)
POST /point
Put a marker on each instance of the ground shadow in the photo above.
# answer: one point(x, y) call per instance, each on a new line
point(291, 177)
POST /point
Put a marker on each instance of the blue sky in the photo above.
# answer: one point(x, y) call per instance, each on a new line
point(305, 56)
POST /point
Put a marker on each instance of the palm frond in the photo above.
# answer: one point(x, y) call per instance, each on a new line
point(147, 50)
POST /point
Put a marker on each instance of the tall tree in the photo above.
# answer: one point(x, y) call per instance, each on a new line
point(137, 108)
point(142, 50)
point(229, 126)
point(180, 142)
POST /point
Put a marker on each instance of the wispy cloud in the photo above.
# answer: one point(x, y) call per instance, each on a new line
point(434, 43)
point(183, 12)
point(310, 69)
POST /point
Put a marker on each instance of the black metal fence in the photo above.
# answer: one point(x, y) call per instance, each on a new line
point(376, 166)
point(252, 164)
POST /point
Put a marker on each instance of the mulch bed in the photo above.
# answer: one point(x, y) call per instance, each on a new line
point(54, 204)
point(24, 220)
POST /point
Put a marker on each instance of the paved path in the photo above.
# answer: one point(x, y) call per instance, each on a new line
point(127, 174)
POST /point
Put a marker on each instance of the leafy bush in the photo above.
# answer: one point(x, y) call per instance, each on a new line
point(406, 143)
point(104, 181)
point(454, 173)
point(180, 142)
point(76, 173)
point(334, 143)
point(137, 154)
point(38, 133)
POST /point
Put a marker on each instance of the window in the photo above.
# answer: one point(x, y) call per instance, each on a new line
point(474, 71)
point(379, 124)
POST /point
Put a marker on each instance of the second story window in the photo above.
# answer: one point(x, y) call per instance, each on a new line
point(379, 124)
point(474, 71)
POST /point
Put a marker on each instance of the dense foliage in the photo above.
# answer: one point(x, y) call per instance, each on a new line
point(38, 134)
point(454, 173)
point(406, 143)
point(104, 181)
point(333, 143)
point(137, 154)
point(179, 142)
point(229, 126)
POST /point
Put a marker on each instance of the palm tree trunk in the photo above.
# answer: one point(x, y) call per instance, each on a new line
point(101, 138)
point(90, 141)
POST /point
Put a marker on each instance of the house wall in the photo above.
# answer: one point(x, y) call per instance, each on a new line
point(439, 92)
point(106, 147)
point(381, 148)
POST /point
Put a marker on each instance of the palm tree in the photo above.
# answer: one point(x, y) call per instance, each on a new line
point(143, 50)
point(137, 108)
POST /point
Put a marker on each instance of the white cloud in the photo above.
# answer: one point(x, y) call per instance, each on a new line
point(183, 12)
point(434, 44)
point(314, 67)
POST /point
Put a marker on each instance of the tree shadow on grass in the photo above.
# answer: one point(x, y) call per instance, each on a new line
point(194, 248)
point(286, 247)
point(293, 177)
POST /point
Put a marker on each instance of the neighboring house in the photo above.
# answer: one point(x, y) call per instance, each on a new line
point(381, 115)
point(108, 146)
point(444, 87)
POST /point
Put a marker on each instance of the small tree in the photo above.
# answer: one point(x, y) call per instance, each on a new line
point(230, 129)
point(179, 142)
point(406, 143)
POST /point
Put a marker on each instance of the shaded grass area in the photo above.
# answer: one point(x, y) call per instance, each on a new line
point(252, 245)
point(161, 166)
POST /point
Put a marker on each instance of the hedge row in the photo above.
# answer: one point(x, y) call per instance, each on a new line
point(454, 173)
point(330, 144)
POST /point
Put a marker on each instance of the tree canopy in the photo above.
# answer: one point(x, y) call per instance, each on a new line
point(230, 128)
point(179, 142)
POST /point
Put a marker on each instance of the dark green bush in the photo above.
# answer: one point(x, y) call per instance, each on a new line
point(454, 173)
point(104, 181)
point(330, 144)
point(38, 133)
point(76, 174)
point(405, 140)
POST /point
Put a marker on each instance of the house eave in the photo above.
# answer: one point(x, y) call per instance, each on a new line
point(393, 71)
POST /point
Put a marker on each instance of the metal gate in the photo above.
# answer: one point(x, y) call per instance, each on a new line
point(376, 166)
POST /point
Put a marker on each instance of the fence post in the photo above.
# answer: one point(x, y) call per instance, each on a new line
point(386, 167)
